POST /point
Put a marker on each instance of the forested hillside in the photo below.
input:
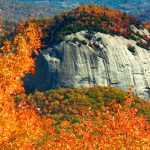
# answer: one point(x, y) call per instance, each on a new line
point(67, 119)
point(12, 11)
point(138, 8)
point(91, 18)
point(16, 10)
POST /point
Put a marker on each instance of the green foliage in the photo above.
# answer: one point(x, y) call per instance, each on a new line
point(69, 104)
point(84, 42)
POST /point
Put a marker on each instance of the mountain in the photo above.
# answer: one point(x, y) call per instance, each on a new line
point(138, 8)
point(84, 47)
point(93, 45)
point(15, 10)
point(18, 10)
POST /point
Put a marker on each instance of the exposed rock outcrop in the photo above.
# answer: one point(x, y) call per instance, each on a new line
point(84, 60)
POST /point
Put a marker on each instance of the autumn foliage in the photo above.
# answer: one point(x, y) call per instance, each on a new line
point(20, 127)
point(16, 60)
point(147, 25)
point(90, 18)
point(114, 126)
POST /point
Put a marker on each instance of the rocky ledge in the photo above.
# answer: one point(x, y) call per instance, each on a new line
point(86, 60)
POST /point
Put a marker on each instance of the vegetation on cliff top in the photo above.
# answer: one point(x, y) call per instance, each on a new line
point(91, 18)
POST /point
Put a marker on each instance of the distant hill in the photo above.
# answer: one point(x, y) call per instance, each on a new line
point(17, 10)
point(139, 8)
point(14, 10)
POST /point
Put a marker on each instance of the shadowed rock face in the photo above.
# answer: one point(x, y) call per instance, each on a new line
point(84, 60)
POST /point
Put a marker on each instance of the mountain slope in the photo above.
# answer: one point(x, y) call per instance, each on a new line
point(68, 104)
point(102, 60)
point(138, 8)
point(112, 49)
point(15, 10)
point(93, 19)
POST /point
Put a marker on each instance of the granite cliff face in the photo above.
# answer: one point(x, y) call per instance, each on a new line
point(85, 60)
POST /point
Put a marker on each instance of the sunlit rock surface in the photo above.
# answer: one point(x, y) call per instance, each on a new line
point(86, 60)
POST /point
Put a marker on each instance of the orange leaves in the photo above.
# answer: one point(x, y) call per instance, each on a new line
point(64, 124)
point(33, 37)
point(16, 59)
point(32, 70)
point(147, 25)
point(113, 128)
point(92, 9)
point(21, 126)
